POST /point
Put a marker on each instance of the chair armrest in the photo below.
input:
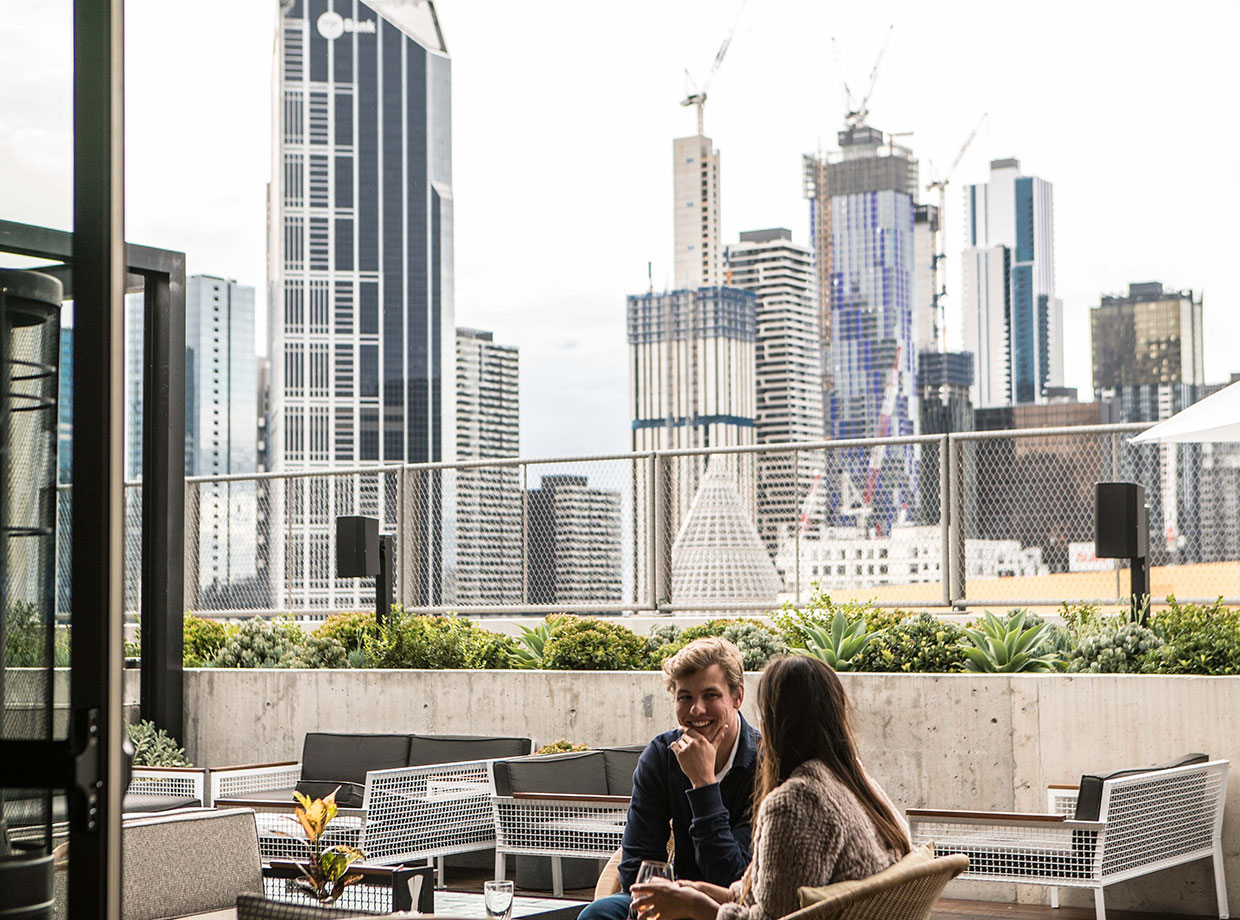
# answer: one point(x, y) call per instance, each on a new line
point(584, 798)
point(186, 782)
point(535, 823)
point(235, 782)
point(984, 817)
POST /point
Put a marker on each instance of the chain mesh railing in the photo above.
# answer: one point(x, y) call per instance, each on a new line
point(970, 519)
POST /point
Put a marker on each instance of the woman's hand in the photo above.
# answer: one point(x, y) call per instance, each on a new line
point(659, 899)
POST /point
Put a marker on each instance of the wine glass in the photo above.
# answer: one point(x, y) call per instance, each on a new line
point(651, 868)
point(498, 898)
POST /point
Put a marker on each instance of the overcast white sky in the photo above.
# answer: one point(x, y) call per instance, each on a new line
point(563, 118)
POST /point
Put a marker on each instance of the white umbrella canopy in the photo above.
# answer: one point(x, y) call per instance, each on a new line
point(1215, 418)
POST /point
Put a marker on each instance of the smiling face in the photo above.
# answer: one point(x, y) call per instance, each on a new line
point(705, 704)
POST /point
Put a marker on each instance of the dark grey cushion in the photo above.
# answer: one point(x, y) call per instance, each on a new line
point(337, 758)
point(583, 773)
point(279, 796)
point(1089, 800)
point(620, 763)
point(428, 749)
point(143, 802)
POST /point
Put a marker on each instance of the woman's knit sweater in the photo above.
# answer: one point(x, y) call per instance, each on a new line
point(810, 830)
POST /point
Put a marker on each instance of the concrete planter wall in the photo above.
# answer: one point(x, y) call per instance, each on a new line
point(965, 741)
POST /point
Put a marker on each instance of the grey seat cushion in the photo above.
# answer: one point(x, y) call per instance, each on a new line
point(189, 863)
point(620, 764)
point(330, 759)
point(143, 802)
point(583, 772)
point(428, 749)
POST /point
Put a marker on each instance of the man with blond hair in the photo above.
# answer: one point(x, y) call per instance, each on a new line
point(698, 778)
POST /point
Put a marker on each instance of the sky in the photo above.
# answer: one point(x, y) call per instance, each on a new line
point(563, 120)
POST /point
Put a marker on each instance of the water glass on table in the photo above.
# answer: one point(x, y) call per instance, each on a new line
point(651, 868)
point(498, 898)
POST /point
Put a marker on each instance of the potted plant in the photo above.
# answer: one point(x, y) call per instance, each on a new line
point(326, 872)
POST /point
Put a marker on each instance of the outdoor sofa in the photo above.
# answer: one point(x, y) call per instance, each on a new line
point(401, 798)
point(1109, 828)
point(562, 807)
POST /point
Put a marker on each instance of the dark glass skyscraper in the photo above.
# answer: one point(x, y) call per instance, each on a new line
point(361, 308)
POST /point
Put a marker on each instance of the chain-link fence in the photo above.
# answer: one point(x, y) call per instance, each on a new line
point(937, 521)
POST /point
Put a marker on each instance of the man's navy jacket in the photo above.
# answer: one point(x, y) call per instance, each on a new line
point(711, 824)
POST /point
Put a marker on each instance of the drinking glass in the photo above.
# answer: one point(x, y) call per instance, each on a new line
point(651, 868)
point(498, 898)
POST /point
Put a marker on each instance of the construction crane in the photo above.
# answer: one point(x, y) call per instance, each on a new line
point(857, 111)
point(697, 96)
point(940, 308)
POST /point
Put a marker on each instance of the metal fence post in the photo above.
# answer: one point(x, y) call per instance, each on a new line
point(956, 528)
point(402, 547)
point(525, 534)
point(660, 545)
point(945, 517)
point(796, 523)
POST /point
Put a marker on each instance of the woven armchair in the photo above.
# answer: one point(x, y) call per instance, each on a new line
point(903, 892)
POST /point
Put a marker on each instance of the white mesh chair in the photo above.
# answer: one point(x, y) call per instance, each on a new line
point(562, 806)
point(1145, 821)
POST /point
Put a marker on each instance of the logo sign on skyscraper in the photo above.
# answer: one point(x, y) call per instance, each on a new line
point(332, 25)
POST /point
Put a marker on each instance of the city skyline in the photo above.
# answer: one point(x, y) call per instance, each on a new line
point(1123, 211)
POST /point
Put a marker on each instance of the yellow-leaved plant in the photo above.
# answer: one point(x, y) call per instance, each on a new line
point(326, 873)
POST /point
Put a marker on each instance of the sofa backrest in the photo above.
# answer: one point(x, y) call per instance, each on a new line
point(189, 863)
point(620, 763)
point(579, 773)
point(1089, 799)
point(331, 759)
point(429, 749)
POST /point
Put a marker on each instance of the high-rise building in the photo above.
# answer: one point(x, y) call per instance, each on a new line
point(862, 216)
point(135, 325)
point(787, 370)
point(574, 536)
point(488, 529)
point(695, 179)
point(1013, 322)
point(361, 280)
point(221, 438)
point(1148, 365)
point(928, 334)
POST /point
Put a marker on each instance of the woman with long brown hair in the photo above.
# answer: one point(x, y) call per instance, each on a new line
point(820, 817)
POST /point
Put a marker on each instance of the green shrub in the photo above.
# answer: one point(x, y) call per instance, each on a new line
point(917, 643)
point(154, 747)
point(352, 630)
point(561, 747)
point(662, 640)
point(202, 640)
point(321, 652)
point(819, 611)
point(530, 645)
point(1010, 644)
point(841, 646)
point(1197, 639)
point(262, 643)
point(591, 644)
point(757, 642)
point(26, 637)
point(408, 640)
point(1125, 647)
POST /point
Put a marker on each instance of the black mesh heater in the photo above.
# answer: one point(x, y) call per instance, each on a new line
point(29, 357)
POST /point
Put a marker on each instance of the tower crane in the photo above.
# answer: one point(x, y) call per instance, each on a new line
point(857, 112)
point(940, 309)
point(698, 96)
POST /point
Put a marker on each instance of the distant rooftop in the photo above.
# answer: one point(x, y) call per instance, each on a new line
point(416, 18)
point(467, 333)
point(1008, 163)
point(1146, 292)
point(766, 236)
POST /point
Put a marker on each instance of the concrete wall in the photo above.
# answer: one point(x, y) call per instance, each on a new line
point(964, 741)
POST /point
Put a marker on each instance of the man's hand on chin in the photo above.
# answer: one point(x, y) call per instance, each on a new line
point(696, 755)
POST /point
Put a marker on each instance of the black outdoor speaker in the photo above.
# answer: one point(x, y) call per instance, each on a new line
point(1121, 521)
point(357, 547)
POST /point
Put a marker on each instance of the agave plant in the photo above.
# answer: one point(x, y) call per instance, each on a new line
point(1008, 645)
point(841, 645)
point(325, 873)
point(531, 644)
